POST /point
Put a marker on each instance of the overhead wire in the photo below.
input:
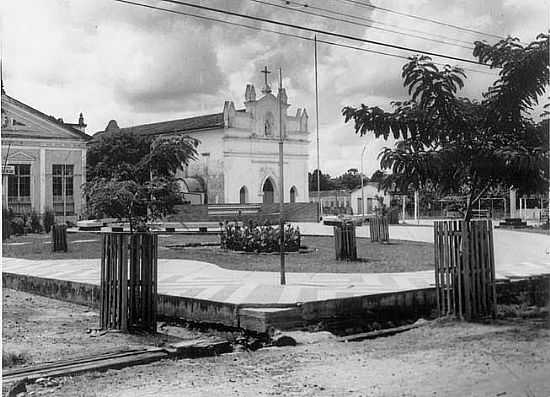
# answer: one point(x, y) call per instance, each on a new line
point(319, 31)
point(303, 11)
point(257, 28)
point(420, 18)
point(373, 21)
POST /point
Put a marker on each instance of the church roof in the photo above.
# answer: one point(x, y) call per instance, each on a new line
point(208, 121)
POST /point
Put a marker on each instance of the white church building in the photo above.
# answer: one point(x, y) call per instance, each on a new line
point(238, 154)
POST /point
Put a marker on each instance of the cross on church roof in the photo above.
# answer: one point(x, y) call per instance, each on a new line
point(267, 88)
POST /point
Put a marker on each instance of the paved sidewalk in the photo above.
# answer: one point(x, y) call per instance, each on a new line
point(516, 255)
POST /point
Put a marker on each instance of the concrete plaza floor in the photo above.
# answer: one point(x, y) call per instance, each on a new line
point(517, 255)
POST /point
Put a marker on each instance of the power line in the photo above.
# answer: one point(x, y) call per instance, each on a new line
point(421, 18)
point(320, 31)
point(353, 22)
point(292, 35)
point(369, 20)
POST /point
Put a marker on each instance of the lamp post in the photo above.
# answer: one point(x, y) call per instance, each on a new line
point(362, 189)
point(281, 181)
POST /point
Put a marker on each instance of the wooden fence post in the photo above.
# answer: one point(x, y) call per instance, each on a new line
point(464, 268)
point(345, 242)
point(59, 238)
point(129, 281)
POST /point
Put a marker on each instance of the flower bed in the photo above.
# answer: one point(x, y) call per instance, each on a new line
point(252, 237)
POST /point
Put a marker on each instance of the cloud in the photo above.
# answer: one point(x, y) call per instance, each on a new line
point(136, 65)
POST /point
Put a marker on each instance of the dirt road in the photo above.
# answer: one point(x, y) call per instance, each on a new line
point(505, 358)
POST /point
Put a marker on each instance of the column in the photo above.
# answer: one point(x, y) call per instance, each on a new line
point(80, 193)
point(512, 203)
point(416, 206)
point(42, 180)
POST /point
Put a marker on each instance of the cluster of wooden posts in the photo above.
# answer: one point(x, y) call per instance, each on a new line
point(345, 242)
point(378, 228)
point(129, 281)
point(465, 268)
point(59, 237)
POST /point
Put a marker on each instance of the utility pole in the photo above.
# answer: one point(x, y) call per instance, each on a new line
point(281, 181)
point(317, 128)
point(362, 189)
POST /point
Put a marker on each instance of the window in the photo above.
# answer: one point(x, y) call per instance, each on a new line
point(19, 189)
point(269, 124)
point(293, 194)
point(62, 187)
point(242, 195)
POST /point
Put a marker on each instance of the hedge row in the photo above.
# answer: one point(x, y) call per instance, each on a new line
point(252, 237)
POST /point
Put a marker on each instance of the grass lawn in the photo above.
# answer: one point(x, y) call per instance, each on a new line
point(397, 256)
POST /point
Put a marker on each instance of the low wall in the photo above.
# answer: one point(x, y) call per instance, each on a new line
point(334, 314)
point(294, 212)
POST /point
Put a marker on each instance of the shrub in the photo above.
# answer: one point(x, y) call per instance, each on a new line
point(18, 225)
point(13, 358)
point(48, 219)
point(252, 237)
point(36, 226)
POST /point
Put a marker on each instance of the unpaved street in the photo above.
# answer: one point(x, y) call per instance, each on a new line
point(510, 357)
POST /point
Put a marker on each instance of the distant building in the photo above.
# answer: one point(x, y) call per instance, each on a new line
point(43, 161)
point(334, 202)
point(370, 193)
point(238, 160)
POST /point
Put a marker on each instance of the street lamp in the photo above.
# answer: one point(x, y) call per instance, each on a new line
point(362, 189)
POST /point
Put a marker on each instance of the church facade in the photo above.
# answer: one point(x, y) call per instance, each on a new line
point(238, 154)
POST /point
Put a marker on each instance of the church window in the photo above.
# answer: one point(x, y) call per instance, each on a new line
point(243, 193)
point(62, 187)
point(293, 194)
point(269, 124)
point(268, 191)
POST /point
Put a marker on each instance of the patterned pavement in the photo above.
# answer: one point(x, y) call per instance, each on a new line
point(516, 255)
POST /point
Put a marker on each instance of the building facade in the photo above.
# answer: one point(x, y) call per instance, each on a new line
point(334, 202)
point(238, 154)
point(370, 193)
point(43, 161)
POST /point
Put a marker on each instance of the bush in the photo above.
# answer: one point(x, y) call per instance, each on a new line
point(36, 226)
point(48, 219)
point(252, 237)
point(13, 358)
point(18, 225)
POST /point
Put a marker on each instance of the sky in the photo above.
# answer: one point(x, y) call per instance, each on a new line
point(116, 61)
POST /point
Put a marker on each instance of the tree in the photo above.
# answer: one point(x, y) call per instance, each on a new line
point(326, 182)
point(461, 146)
point(351, 179)
point(133, 178)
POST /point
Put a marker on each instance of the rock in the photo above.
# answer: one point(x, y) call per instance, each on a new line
point(284, 340)
point(306, 338)
point(17, 388)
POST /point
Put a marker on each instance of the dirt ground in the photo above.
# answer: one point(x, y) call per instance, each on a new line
point(36, 329)
point(507, 357)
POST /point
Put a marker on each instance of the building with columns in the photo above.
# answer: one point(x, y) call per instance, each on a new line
point(43, 161)
point(238, 154)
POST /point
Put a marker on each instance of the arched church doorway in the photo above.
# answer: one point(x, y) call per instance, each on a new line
point(268, 192)
point(293, 194)
point(243, 195)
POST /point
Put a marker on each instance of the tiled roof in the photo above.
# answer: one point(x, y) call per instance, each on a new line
point(51, 119)
point(208, 121)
